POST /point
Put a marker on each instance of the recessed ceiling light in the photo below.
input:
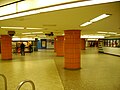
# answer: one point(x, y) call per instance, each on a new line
point(36, 32)
point(57, 7)
point(27, 33)
point(95, 19)
point(30, 35)
point(85, 24)
point(112, 33)
point(107, 32)
point(34, 28)
point(91, 36)
point(100, 17)
point(102, 32)
point(13, 27)
point(20, 14)
point(15, 36)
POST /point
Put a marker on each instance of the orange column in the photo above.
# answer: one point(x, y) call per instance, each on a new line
point(83, 44)
point(54, 44)
point(6, 47)
point(72, 49)
point(60, 45)
point(0, 44)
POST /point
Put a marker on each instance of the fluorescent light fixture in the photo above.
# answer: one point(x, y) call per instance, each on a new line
point(15, 39)
point(75, 4)
point(91, 36)
point(13, 27)
point(36, 32)
point(85, 24)
point(27, 33)
point(112, 33)
point(14, 36)
point(20, 14)
point(8, 9)
point(24, 39)
point(100, 17)
point(30, 35)
point(34, 28)
point(102, 32)
point(107, 32)
point(95, 19)
point(57, 7)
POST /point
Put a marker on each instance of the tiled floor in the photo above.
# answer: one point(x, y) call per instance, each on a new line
point(38, 67)
point(98, 72)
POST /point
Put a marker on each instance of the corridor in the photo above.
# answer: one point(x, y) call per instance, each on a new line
point(46, 70)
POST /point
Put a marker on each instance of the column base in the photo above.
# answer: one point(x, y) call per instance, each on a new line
point(72, 68)
point(60, 55)
point(7, 59)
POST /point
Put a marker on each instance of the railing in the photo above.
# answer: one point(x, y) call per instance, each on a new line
point(21, 83)
point(25, 81)
point(5, 80)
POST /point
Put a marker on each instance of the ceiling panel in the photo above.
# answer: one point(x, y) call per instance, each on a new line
point(58, 21)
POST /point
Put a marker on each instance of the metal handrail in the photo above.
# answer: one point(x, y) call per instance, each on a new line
point(21, 83)
point(5, 80)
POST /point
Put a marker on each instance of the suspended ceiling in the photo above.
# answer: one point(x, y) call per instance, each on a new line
point(69, 19)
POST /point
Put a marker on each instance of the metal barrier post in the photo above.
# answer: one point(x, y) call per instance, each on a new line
point(5, 80)
point(21, 83)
